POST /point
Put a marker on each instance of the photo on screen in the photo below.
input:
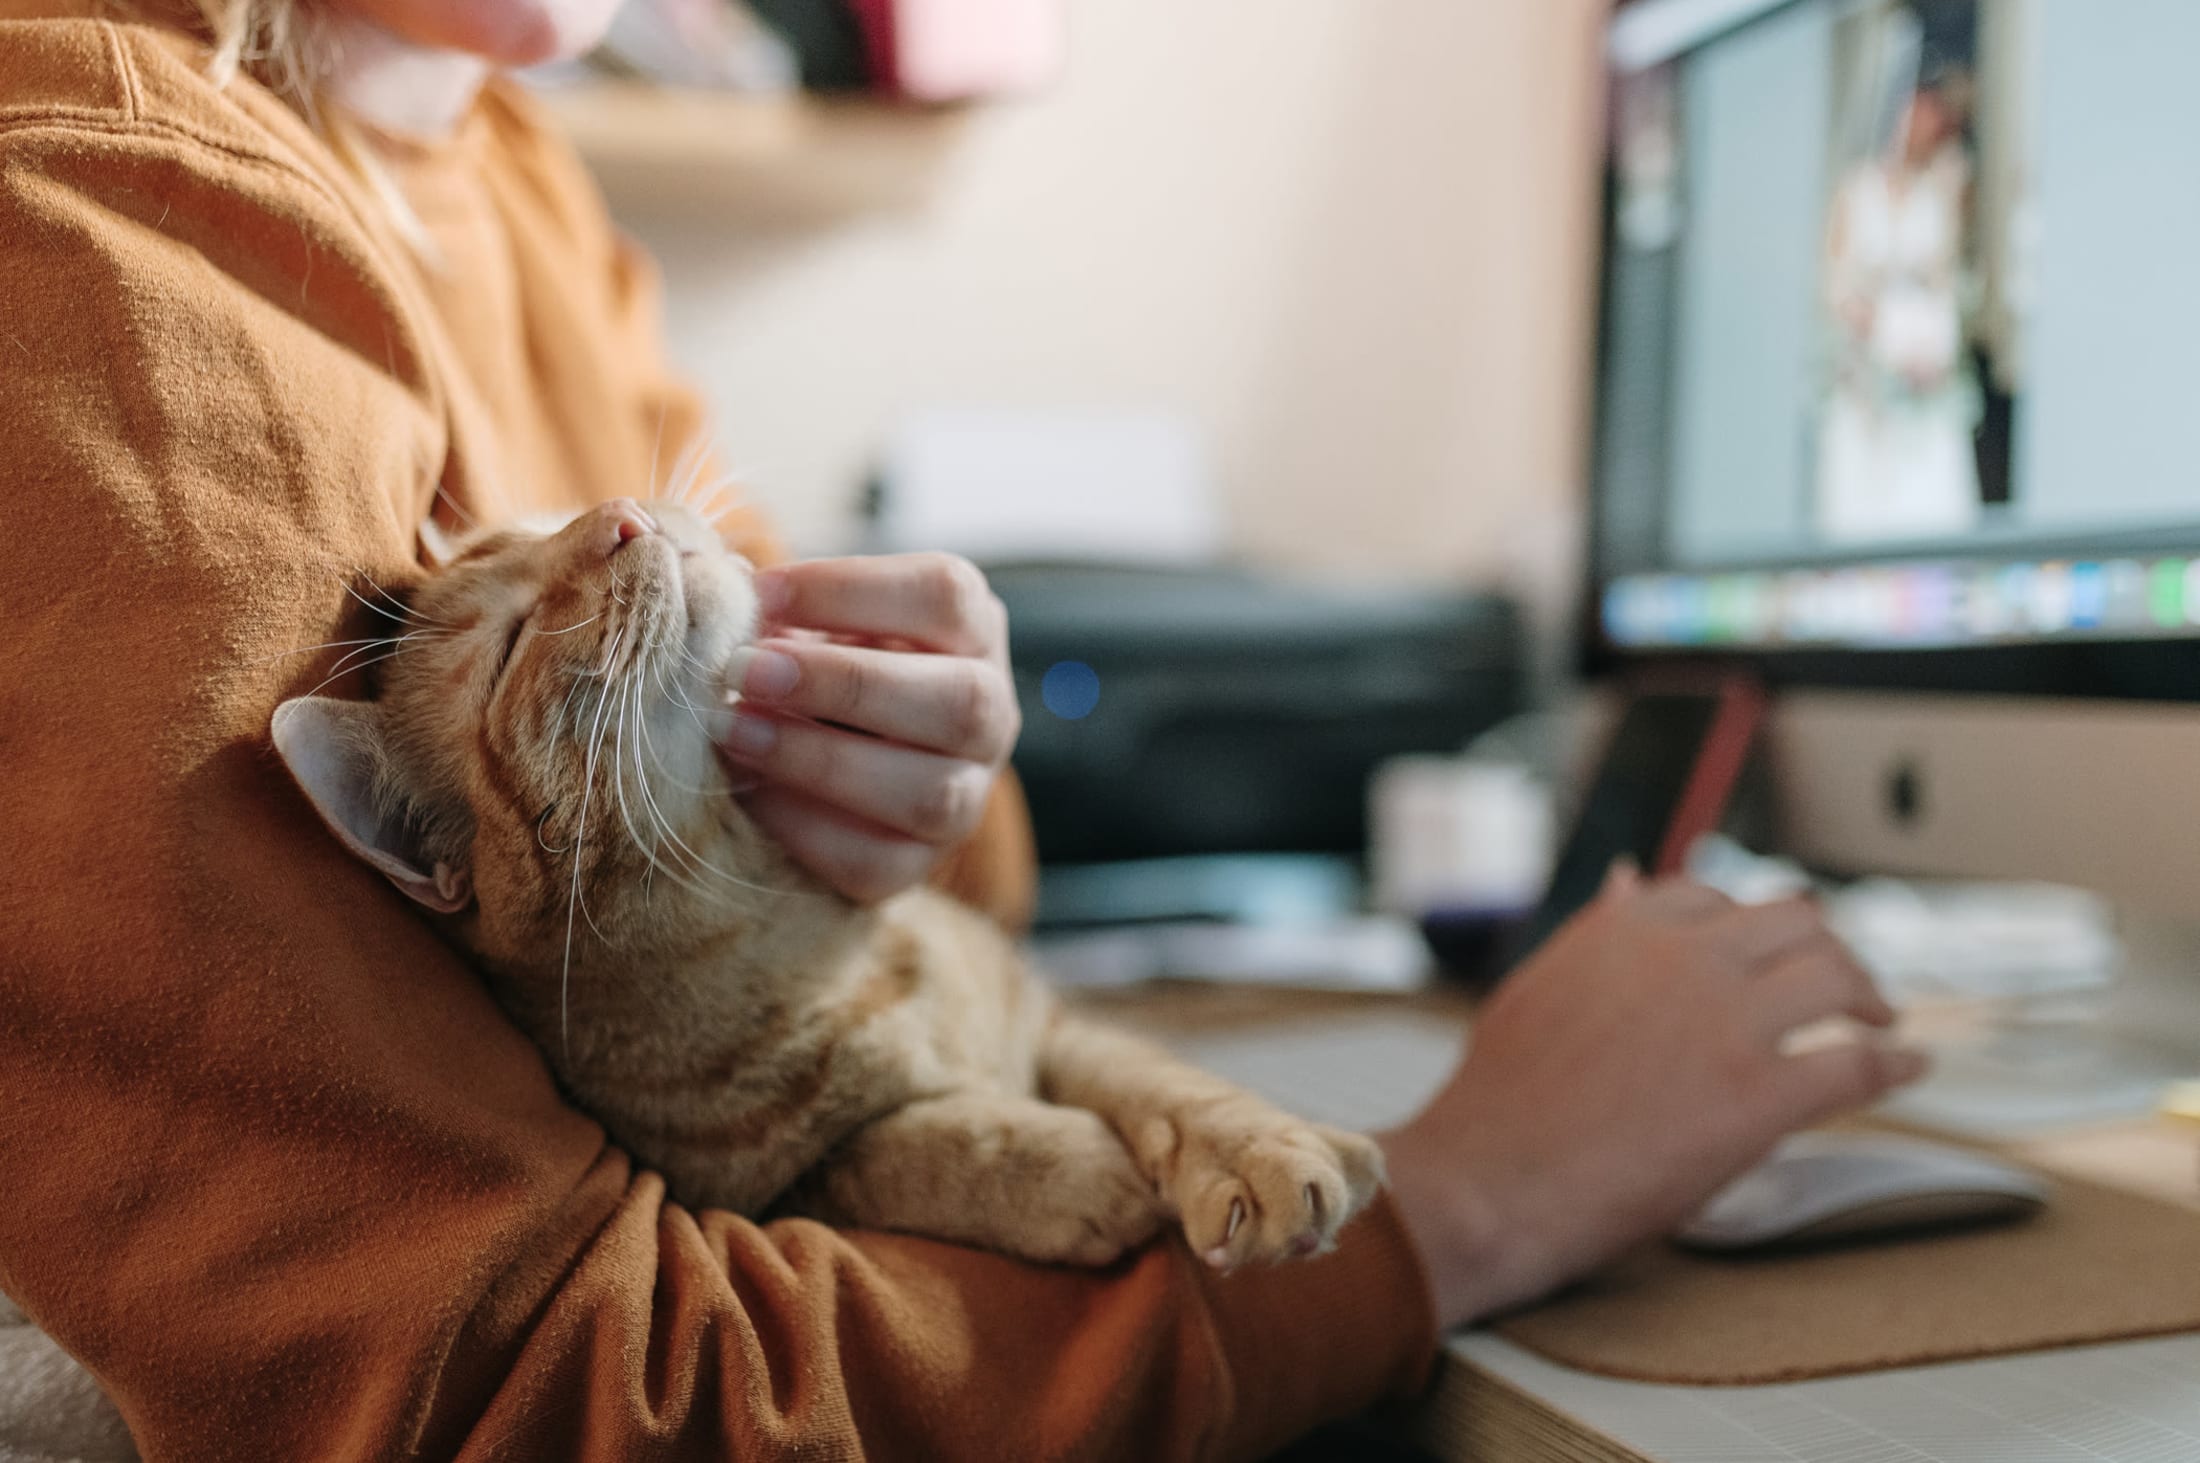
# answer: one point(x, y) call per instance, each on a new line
point(1923, 297)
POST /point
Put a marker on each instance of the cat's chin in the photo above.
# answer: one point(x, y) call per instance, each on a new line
point(716, 593)
point(718, 598)
point(707, 670)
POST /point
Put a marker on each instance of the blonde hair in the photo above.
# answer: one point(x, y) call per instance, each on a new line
point(282, 45)
point(269, 40)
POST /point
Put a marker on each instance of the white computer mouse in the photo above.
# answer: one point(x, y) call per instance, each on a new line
point(1820, 1187)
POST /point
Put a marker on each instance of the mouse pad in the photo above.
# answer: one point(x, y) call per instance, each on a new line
point(2098, 1264)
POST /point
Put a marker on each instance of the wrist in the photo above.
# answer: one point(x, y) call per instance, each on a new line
point(1480, 1254)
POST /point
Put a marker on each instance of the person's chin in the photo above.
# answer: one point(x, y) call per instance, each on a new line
point(502, 32)
point(540, 31)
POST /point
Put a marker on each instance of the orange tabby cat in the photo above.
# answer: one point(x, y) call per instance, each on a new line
point(537, 766)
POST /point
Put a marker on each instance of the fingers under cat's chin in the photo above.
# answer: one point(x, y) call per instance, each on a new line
point(861, 863)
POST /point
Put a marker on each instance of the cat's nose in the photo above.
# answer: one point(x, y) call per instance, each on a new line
point(623, 519)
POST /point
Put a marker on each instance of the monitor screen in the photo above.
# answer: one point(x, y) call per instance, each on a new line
point(1901, 328)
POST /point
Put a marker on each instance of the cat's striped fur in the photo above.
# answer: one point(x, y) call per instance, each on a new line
point(537, 765)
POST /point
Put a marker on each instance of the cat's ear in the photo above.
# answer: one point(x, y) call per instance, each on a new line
point(334, 749)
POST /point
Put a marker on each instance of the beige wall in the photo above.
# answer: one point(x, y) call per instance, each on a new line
point(1349, 237)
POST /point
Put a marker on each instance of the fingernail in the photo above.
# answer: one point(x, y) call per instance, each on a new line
point(773, 592)
point(765, 675)
point(750, 736)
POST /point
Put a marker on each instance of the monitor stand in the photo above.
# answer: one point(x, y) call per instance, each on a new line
point(2097, 794)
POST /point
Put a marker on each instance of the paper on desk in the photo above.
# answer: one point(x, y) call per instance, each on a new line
point(1931, 939)
point(1363, 954)
point(1983, 941)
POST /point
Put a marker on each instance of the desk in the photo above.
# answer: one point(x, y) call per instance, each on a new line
point(1367, 1061)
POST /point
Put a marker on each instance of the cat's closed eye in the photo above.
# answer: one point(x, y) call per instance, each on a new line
point(511, 643)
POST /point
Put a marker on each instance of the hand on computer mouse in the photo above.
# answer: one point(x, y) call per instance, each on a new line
point(1620, 1077)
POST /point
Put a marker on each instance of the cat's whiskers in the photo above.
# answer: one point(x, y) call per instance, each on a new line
point(633, 703)
point(580, 841)
point(443, 496)
point(664, 824)
point(718, 502)
point(617, 584)
point(345, 665)
point(539, 842)
point(326, 645)
point(709, 498)
point(687, 471)
point(333, 676)
point(618, 762)
point(648, 853)
point(672, 693)
point(410, 640)
point(605, 668)
point(565, 711)
point(395, 608)
point(707, 672)
point(582, 676)
point(656, 450)
point(632, 657)
point(630, 700)
point(671, 690)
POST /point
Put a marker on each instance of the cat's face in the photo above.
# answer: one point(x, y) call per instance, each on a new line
point(545, 721)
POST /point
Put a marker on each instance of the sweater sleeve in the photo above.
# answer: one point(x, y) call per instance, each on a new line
point(280, 1173)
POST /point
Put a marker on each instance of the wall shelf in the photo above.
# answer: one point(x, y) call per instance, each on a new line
point(794, 158)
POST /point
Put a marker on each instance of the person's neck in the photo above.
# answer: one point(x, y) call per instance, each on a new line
point(397, 86)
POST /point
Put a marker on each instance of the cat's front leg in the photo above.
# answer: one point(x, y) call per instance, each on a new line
point(1248, 1181)
point(1008, 1173)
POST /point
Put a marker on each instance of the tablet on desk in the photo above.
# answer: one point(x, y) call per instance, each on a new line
point(1667, 776)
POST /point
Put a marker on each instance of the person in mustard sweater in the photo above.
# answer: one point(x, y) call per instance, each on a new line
point(278, 1172)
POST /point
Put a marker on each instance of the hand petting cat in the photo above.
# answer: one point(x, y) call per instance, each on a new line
point(875, 713)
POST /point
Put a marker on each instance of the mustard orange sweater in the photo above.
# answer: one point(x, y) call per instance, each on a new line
point(274, 1166)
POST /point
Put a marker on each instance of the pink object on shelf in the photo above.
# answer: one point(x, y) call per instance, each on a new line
point(961, 50)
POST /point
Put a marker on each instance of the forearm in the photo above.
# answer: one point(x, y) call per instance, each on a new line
point(1619, 1078)
point(1478, 1261)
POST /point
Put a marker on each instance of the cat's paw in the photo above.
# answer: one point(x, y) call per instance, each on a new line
point(1252, 1184)
point(1091, 1206)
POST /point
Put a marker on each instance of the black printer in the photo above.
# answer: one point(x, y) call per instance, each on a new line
point(1173, 712)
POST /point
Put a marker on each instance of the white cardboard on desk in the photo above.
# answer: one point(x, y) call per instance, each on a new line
point(999, 485)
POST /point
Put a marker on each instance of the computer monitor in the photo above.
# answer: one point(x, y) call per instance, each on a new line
point(1899, 373)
